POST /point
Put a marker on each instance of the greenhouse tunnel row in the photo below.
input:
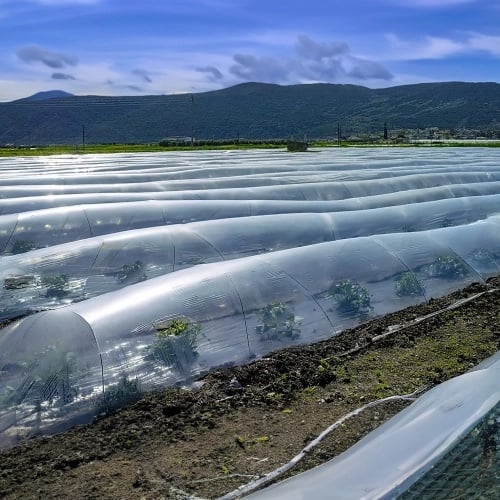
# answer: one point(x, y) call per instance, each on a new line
point(171, 264)
point(67, 364)
point(304, 187)
point(147, 167)
point(325, 197)
point(263, 188)
point(187, 178)
point(44, 278)
point(39, 227)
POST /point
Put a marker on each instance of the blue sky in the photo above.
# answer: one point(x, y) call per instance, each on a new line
point(140, 47)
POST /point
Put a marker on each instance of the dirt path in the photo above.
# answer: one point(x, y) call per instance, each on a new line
point(243, 422)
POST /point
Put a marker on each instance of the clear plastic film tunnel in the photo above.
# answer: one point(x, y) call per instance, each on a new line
point(132, 272)
point(442, 446)
point(100, 264)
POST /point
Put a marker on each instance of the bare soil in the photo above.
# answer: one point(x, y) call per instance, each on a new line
point(243, 422)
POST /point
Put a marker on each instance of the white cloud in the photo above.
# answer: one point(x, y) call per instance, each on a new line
point(437, 48)
point(313, 62)
point(430, 47)
point(310, 49)
point(363, 69)
point(426, 48)
point(259, 69)
point(486, 43)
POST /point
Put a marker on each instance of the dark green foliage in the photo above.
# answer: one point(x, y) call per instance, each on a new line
point(351, 297)
point(21, 281)
point(175, 328)
point(124, 393)
point(57, 286)
point(130, 271)
point(406, 284)
point(277, 321)
point(23, 246)
point(250, 111)
point(176, 343)
point(449, 267)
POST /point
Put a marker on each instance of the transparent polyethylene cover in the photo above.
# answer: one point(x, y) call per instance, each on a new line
point(142, 271)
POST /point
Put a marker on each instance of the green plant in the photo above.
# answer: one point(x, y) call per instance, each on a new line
point(23, 246)
point(176, 343)
point(382, 385)
point(129, 271)
point(57, 286)
point(449, 266)
point(19, 281)
point(116, 396)
point(351, 297)
point(406, 284)
point(276, 321)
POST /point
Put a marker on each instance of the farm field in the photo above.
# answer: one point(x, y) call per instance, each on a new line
point(175, 442)
point(126, 274)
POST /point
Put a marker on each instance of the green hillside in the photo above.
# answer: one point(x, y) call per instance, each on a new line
point(250, 111)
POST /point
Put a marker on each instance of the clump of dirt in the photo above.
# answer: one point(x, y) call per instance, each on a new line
point(242, 422)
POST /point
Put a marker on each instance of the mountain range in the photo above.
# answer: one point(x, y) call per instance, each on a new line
point(253, 111)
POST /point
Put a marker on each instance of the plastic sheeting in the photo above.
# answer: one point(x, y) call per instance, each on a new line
point(361, 178)
point(298, 193)
point(262, 188)
point(44, 228)
point(102, 264)
point(233, 311)
point(410, 443)
point(186, 165)
point(194, 279)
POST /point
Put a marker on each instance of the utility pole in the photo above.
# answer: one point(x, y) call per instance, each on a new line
point(338, 134)
point(83, 136)
point(192, 120)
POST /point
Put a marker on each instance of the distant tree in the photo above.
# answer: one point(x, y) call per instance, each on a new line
point(386, 135)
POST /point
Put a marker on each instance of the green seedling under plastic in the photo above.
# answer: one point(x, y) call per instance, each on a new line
point(125, 392)
point(22, 246)
point(407, 285)
point(130, 271)
point(277, 321)
point(176, 343)
point(449, 267)
point(57, 286)
point(351, 297)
